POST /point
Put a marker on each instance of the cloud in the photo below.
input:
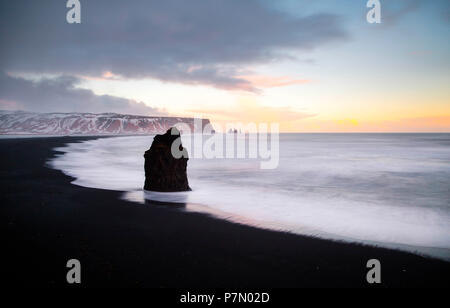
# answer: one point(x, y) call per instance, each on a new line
point(158, 39)
point(440, 123)
point(422, 52)
point(261, 81)
point(248, 109)
point(61, 94)
point(394, 11)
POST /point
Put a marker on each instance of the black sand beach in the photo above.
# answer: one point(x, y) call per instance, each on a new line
point(45, 221)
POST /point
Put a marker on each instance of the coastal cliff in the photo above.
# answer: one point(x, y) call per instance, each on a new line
point(30, 123)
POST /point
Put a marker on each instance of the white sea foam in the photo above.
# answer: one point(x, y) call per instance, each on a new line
point(386, 189)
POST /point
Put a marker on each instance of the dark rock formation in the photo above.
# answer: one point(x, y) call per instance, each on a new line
point(163, 171)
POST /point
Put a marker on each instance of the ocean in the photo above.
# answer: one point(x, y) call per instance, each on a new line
point(388, 190)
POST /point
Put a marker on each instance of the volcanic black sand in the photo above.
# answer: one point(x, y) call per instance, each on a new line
point(45, 221)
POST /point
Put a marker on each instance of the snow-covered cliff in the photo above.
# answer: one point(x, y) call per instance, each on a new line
point(21, 122)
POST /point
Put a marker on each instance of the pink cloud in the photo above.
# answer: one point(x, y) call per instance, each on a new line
point(9, 105)
point(264, 82)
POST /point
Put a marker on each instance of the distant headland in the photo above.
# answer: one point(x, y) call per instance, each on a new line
point(32, 123)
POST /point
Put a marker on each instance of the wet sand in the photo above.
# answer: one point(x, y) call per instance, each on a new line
point(45, 221)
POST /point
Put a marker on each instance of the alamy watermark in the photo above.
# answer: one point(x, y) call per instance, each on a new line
point(242, 141)
point(374, 14)
point(73, 16)
point(374, 274)
point(74, 273)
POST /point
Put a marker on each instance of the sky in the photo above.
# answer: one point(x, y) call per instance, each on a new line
point(311, 66)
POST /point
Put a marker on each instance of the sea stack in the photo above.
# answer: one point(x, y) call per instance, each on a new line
point(163, 171)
